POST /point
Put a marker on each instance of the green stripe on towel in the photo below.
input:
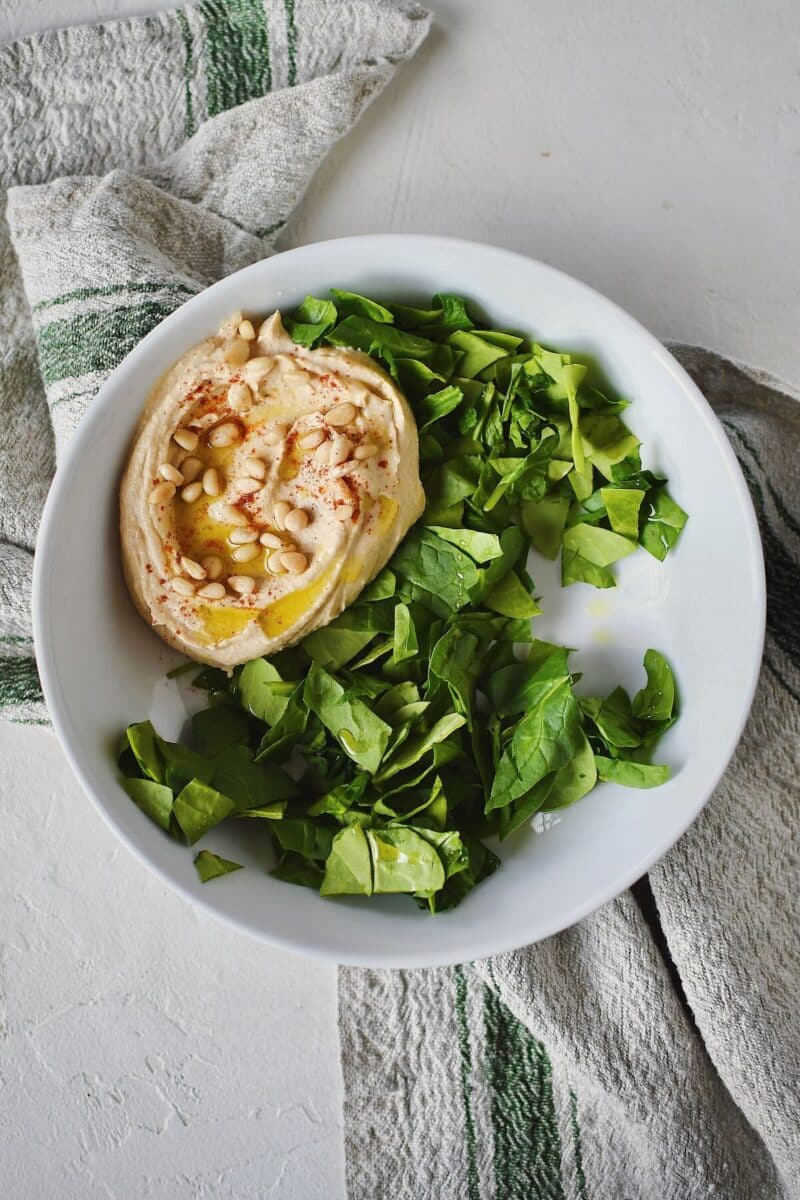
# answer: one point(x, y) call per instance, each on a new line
point(527, 1155)
point(96, 341)
point(237, 52)
point(19, 682)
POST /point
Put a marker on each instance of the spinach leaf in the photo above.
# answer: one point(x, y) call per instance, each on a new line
point(250, 785)
point(405, 644)
point(664, 520)
point(262, 691)
point(154, 799)
point(404, 861)
point(631, 774)
point(656, 700)
point(198, 808)
point(622, 506)
point(544, 740)
point(417, 747)
point(215, 729)
point(482, 547)
point(348, 867)
point(211, 866)
point(361, 734)
point(511, 598)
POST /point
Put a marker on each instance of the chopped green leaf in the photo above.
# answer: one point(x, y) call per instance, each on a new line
point(211, 866)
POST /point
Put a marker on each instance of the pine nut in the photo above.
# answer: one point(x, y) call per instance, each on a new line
point(310, 440)
point(224, 435)
point(340, 450)
point(281, 511)
point(171, 474)
point(294, 562)
point(271, 540)
point(193, 568)
point(227, 514)
point(244, 554)
point(341, 491)
point(255, 468)
point(190, 469)
point(275, 563)
point(212, 482)
point(322, 454)
point(184, 587)
point(344, 512)
point(259, 366)
point(162, 493)
point(213, 566)
point(187, 439)
point(212, 591)
point(247, 331)
point(241, 536)
point(342, 414)
point(365, 451)
point(240, 398)
point(274, 435)
point(236, 352)
point(296, 520)
point(243, 585)
point(192, 492)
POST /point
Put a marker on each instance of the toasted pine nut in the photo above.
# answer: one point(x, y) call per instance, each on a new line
point(310, 440)
point(227, 514)
point(236, 352)
point(275, 563)
point(295, 562)
point(281, 510)
point(184, 587)
point(213, 566)
point(242, 535)
point(162, 493)
point(187, 439)
point(322, 454)
point(190, 469)
point(340, 449)
point(243, 554)
point(274, 435)
point(296, 520)
point(193, 568)
point(259, 366)
point(365, 451)
point(224, 435)
point(255, 468)
point(212, 591)
point(271, 540)
point(344, 512)
point(247, 331)
point(192, 492)
point(342, 414)
point(240, 398)
point(167, 471)
point(243, 585)
point(212, 482)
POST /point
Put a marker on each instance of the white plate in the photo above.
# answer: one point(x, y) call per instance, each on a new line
point(102, 668)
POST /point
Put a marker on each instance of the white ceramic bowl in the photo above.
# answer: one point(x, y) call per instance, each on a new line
point(102, 668)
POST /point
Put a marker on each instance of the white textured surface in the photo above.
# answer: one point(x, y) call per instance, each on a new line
point(652, 150)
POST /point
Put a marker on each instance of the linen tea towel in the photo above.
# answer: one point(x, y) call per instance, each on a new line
point(145, 159)
point(652, 1052)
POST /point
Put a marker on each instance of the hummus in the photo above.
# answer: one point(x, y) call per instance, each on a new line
point(267, 484)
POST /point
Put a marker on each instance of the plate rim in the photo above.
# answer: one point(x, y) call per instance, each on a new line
point(46, 653)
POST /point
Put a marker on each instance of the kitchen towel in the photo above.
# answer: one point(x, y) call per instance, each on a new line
point(144, 159)
point(651, 1052)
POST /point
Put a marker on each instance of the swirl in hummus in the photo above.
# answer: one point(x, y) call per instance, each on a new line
point(266, 486)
